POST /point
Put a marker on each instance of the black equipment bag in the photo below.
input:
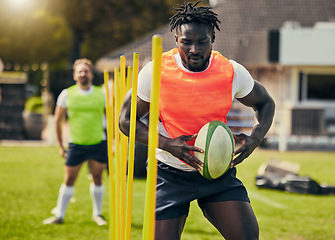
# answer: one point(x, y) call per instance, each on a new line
point(304, 185)
point(292, 183)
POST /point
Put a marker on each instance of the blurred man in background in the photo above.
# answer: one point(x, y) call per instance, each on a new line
point(84, 105)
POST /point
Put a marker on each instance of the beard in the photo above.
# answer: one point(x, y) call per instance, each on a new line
point(84, 81)
point(201, 66)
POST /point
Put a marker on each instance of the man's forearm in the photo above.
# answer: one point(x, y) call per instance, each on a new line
point(264, 116)
point(59, 136)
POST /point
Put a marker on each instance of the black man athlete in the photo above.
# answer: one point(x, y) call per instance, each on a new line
point(198, 85)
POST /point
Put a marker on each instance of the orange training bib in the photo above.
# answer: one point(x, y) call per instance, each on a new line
point(188, 100)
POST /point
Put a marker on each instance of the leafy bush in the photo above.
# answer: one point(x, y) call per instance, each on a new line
point(34, 105)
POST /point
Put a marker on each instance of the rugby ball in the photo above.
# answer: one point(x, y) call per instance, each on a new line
point(217, 141)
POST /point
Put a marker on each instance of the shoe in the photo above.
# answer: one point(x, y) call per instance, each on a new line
point(53, 220)
point(99, 220)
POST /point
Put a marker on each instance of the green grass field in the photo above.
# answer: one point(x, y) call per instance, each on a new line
point(31, 176)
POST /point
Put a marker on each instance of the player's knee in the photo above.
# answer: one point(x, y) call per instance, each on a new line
point(248, 232)
point(252, 235)
point(97, 180)
point(242, 236)
point(70, 180)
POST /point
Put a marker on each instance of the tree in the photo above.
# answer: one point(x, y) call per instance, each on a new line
point(58, 32)
point(100, 26)
point(30, 35)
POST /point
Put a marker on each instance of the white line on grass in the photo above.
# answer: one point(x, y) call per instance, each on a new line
point(266, 200)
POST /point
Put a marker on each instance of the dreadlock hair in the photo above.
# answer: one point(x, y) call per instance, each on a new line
point(190, 13)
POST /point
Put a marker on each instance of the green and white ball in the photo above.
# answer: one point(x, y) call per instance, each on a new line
point(217, 141)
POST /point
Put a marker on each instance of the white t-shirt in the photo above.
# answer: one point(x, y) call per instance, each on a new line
point(243, 83)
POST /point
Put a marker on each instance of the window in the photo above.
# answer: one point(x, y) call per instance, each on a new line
point(317, 87)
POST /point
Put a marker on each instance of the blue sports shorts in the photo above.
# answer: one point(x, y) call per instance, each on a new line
point(77, 154)
point(176, 189)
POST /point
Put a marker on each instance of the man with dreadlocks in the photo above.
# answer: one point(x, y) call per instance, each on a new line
point(198, 85)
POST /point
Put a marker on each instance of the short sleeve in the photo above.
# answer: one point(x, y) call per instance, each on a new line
point(144, 82)
point(243, 82)
point(62, 98)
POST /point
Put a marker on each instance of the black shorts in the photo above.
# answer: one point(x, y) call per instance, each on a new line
point(176, 189)
point(77, 154)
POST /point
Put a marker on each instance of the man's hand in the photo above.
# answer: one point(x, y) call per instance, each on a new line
point(248, 145)
point(180, 149)
point(62, 152)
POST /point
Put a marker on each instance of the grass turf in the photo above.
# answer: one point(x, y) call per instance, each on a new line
point(31, 176)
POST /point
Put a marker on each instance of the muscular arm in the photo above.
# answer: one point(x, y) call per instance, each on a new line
point(177, 146)
point(60, 114)
point(264, 108)
point(124, 119)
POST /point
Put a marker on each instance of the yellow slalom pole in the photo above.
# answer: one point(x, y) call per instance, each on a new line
point(109, 125)
point(117, 166)
point(123, 76)
point(131, 147)
point(150, 198)
point(124, 148)
point(129, 77)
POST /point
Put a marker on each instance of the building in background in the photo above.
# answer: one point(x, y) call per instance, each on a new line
point(286, 45)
